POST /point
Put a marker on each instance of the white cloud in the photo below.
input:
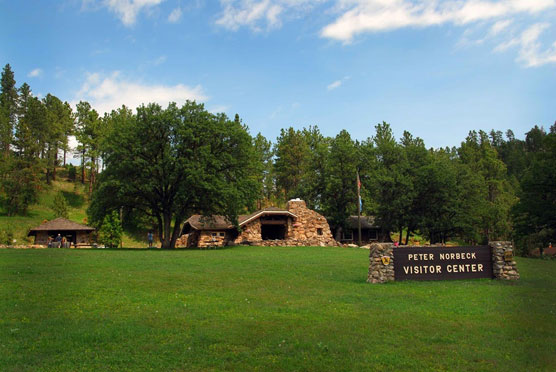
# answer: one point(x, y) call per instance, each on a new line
point(160, 60)
point(127, 10)
point(360, 16)
point(530, 53)
point(334, 85)
point(260, 14)
point(486, 20)
point(35, 73)
point(337, 83)
point(175, 16)
point(106, 93)
point(500, 26)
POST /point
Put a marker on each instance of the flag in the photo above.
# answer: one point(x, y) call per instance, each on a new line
point(359, 192)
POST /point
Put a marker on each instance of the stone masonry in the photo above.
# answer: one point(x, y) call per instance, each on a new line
point(251, 232)
point(503, 264)
point(309, 228)
point(379, 271)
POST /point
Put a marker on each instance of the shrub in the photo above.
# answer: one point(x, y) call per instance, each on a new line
point(72, 173)
point(110, 233)
point(6, 237)
point(60, 206)
point(18, 189)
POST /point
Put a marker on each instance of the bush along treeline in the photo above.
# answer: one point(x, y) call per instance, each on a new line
point(157, 166)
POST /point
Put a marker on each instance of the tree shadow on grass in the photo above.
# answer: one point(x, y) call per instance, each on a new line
point(74, 200)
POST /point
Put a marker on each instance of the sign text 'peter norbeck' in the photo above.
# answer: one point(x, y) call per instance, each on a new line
point(441, 263)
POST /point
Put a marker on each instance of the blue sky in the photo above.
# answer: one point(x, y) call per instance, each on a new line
point(435, 68)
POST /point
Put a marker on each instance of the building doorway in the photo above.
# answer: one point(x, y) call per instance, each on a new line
point(273, 232)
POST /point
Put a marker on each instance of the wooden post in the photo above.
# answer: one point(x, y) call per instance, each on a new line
point(359, 207)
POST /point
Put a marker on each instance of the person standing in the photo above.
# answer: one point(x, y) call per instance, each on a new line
point(150, 239)
point(58, 241)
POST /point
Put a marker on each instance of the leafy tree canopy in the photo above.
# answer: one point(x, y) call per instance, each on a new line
point(174, 162)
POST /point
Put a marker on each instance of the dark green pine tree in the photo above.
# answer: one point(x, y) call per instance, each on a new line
point(292, 159)
point(264, 154)
point(8, 109)
point(392, 189)
point(534, 215)
point(339, 200)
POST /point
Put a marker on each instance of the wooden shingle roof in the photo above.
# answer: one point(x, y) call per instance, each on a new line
point(367, 222)
point(217, 222)
point(61, 224)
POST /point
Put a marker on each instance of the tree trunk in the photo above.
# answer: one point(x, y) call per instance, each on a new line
point(55, 161)
point(338, 235)
point(401, 236)
point(407, 236)
point(159, 220)
point(83, 166)
point(167, 240)
point(48, 171)
point(176, 232)
point(90, 181)
point(92, 176)
point(65, 151)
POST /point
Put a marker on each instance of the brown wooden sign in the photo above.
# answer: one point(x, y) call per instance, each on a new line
point(442, 263)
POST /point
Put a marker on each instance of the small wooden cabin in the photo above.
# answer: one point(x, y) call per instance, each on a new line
point(370, 232)
point(74, 232)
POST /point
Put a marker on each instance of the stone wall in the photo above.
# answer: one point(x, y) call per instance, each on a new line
point(503, 263)
point(381, 265)
point(188, 240)
point(208, 239)
point(250, 232)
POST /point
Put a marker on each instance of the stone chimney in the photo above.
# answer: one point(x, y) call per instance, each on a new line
point(310, 228)
point(296, 205)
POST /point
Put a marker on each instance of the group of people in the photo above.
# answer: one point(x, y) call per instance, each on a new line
point(58, 242)
point(61, 242)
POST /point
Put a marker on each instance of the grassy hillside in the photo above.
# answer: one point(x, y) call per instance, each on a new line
point(265, 309)
point(75, 194)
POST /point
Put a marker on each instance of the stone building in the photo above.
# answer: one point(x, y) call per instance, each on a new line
point(294, 226)
point(75, 233)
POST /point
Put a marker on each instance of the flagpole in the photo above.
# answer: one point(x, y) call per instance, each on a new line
point(359, 206)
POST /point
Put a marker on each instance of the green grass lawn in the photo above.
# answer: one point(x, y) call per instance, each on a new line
point(265, 309)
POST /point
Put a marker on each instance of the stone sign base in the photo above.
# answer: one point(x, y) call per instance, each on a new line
point(378, 271)
point(381, 257)
point(503, 263)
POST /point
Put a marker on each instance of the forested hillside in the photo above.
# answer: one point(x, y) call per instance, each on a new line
point(155, 166)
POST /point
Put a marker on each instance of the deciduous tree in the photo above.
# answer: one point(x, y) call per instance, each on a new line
point(174, 162)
